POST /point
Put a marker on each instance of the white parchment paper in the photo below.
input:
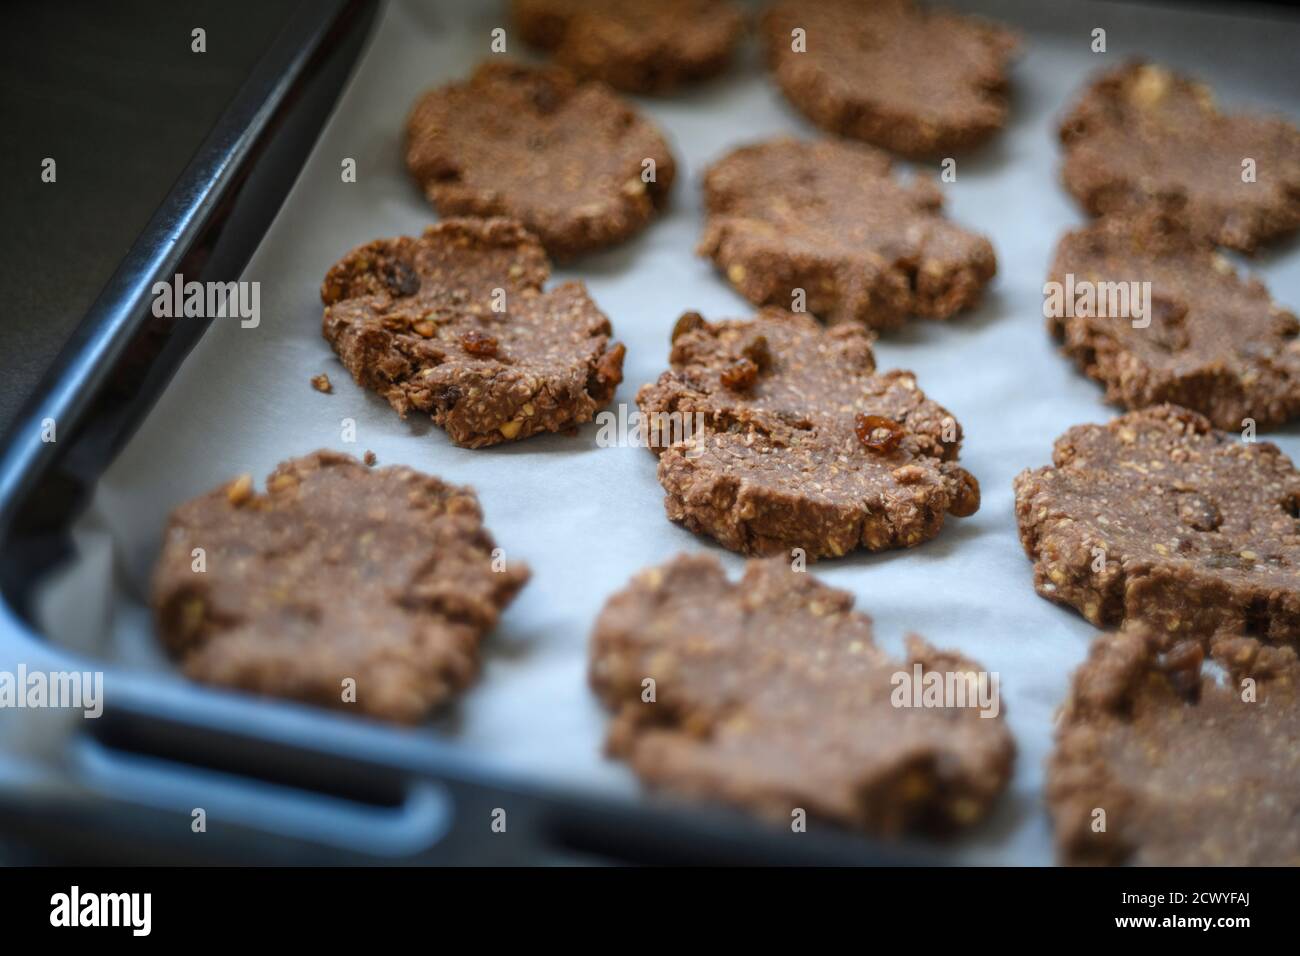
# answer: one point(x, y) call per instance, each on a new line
point(586, 518)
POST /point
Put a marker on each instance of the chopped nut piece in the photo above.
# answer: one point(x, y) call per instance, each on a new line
point(240, 490)
point(191, 617)
point(282, 482)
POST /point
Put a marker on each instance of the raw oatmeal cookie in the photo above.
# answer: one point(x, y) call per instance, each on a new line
point(455, 324)
point(572, 161)
point(383, 576)
point(1213, 342)
point(1158, 518)
point(787, 437)
point(641, 46)
point(831, 219)
point(1141, 133)
point(1189, 769)
point(918, 82)
point(771, 694)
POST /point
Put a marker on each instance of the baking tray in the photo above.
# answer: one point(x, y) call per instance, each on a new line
point(142, 429)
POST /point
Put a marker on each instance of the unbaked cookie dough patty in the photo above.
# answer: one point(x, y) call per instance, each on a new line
point(1213, 342)
point(1141, 133)
point(787, 437)
point(770, 693)
point(1188, 769)
point(572, 161)
point(382, 577)
point(456, 324)
point(1158, 518)
point(830, 219)
point(641, 46)
point(919, 82)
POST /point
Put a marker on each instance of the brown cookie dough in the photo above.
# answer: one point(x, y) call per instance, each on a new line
point(1157, 518)
point(1215, 343)
point(771, 694)
point(1141, 133)
point(919, 82)
point(1189, 770)
point(829, 218)
point(567, 159)
point(382, 576)
point(415, 320)
point(642, 46)
point(775, 434)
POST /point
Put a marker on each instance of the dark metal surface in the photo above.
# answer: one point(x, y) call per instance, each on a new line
point(207, 227)
point(115, 94)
